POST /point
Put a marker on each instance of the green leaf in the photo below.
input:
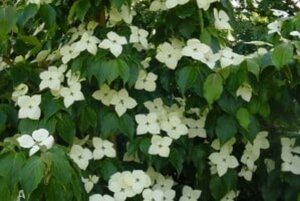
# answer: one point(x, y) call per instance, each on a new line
point(32, 174)
point(111, 70)
point(28, 13)
point(4, 190)
point(226, 128)
point(48, 14)
point(107, 168)
point(3, 118)
point(177, 159)
point(253, 67)
point(88, 118)
point(186, 78)
point(51, 106)
point(213, 87)
point(127, 126)
point(79, 9)
point(253, 129)
point(8, 19)
point(27, 126)
point(117, 3)
point(243, 117)
point(217, 187)
point(109, 125)
point(282, 54)
point(66, 128)
point(124, 70)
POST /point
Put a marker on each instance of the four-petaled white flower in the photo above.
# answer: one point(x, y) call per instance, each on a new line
point(223, 160)
point(204, 4)
point(71, 94)
point(146, 81)
point(188, 194)
point(51, 78)
point(221, 20)
point(195, 49)
point(103, 148)
point(147, 124)
point(122, 102)
point(245, 91)
point(174, 3)
point(104, 94)
point(160, 146)
point(174, 127)
point(274, 27)
point(139, 36)
point(98, 197)
point(29, 107)
point(81, 156)
point(168, 55)
point(228, 57)
point(89, 182)
point(113, 43)
point(124, 13)
point(196, 127)
point(153, 195)
point(169, 195)
point(40, 138)
point(87, 42)
point(68, 52)
point(20, 90)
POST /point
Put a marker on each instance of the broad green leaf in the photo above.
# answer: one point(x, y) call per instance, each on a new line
point(107, 168)
point(32, 174)
point(282, 54)
point(127, 126)
point(226, 128)
point(186, 78)
point(79, 9)
point(117, 3)
point(124, 70)
point(109, 125)
point(3, 119)
point(243, 117)
point(27, 13)
point(66, 128)
point(253, 67)
point(217, 187)
point(213, 87)
point(253, 129)
point(176, 158)
point(8, 19)
point(27, 126)
point(111, 70)
point(4, 189)
point(88, 119)
point(48, 14)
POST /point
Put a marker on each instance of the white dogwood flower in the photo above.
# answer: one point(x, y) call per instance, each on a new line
point(168, 55)
point(71, 94)
point(141, 181)
point(228, 58)
point(173, 3)
point(104, 94)
point(247, 173)
point(245, 91)
point(81, 156)
point(157, 5)
point(223, 160)
point(123, 14)
point(221, 20)
point(87, 42)
point(40, 138)
point(174, 127)
point(98, 197)
point(29, 107)
point(69, 52)
point(295, 33)
point(51, 78)
point(20, 90)
point(114, 43)
point(205, 4)
point(196, 127)
point(195, 49)
point(169, 195)
point(139, 36)
point(160, 146)
point(147, 124)
point(152, 195)
point(103, 148)
point(188, 194)
point(274, 27)
point(146, 81)
point(122, 101)
point(89, 182)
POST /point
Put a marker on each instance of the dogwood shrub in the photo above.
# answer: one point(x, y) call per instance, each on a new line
point(149, 100)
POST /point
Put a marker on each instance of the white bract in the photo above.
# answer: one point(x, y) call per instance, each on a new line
point(174, 3)
point(104, 94)
point(188, 194)
point(157, 5)
point(89, 182)
point(152, 195)
point(20, 90)
point(247, 173)
point(147, 124)
point(98, 197)
point(196, 127)
point(40, 138)
point(122, 101)
point(114, 43)
point(291, 161)
point(295, 33)
point(71, 94)
point(146, 81)
point(81, 156)
point(123, 14)
point(103, 148)
point(222, 159)
point(51, 78)
point(69, 52)
point(29, 107)
point(275, 27)
point(205, 4)
point(174, 127)
point(221, 20)
point(195, 49)
point(139, 36)
point(87, 42)
point(245, 91)
point(228, 58)
point(160, 146)
point(168, 55)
